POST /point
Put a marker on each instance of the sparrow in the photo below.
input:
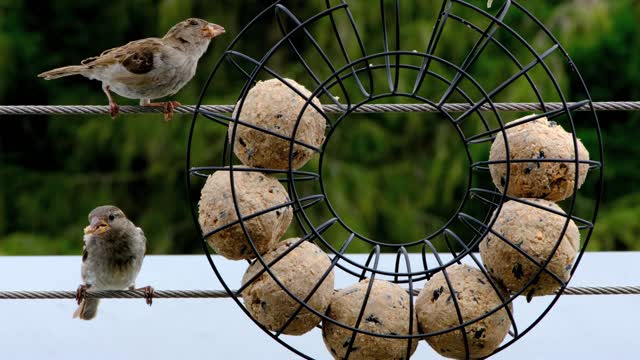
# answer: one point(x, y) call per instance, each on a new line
point(150, 68)
point(111, 258)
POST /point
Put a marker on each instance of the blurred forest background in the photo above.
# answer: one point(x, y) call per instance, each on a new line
point(393, 176)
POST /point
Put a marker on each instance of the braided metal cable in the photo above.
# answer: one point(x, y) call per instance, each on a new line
point(218, 294)
point(368, 108)
point(113, 294)
point(603, 290)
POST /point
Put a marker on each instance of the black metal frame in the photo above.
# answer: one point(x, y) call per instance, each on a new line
point(363, 68)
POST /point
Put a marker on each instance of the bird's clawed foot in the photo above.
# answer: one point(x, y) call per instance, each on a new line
point(167, 107)
point(148, 294)
point(114, 110)
point(81, 293)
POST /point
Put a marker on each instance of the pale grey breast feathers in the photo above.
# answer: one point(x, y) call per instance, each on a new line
point(113, 263)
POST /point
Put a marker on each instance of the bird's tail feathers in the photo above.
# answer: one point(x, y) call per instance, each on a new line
point(63, 71)
point(87, 309)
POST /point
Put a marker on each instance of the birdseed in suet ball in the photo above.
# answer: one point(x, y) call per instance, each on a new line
point(436, 311)
point(274, 106)
point(536, 232)
point(386, 313)
point(299, 271)
point(255, 192)
point(538, 140)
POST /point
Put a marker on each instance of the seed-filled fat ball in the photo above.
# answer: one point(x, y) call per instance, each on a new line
point(274, 106)
point(255, 192)
point(299, 271)
point(386, 312)
point(536, 232)
point(538, 140)
point(475, 296)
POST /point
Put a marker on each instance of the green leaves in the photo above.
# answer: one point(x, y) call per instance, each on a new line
point(392, 177)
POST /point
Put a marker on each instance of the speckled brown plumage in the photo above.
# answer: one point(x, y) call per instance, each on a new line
point(150, 68)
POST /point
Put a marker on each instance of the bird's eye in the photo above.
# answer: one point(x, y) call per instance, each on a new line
point(112, 217)
point(193, 22)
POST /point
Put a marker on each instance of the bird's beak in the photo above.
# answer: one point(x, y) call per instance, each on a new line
point(97, 227)
point(212, 30)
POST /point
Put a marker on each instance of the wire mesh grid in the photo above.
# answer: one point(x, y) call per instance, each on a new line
point(360, 77)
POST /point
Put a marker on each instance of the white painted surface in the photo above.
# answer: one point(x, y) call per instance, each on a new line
point(578, 327)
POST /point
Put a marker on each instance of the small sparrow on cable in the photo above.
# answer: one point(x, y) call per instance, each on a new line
point(111, 258)
point(150, 68)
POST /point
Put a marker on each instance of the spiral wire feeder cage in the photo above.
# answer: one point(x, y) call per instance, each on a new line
point(360, 77)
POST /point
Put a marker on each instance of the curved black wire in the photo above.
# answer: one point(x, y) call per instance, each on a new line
point(343, 49)
point(489, 197)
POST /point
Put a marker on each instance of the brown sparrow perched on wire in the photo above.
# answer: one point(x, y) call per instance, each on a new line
point(111, 259)
point(150, 68)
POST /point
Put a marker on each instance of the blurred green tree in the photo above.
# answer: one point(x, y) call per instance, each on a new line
point(393, 176)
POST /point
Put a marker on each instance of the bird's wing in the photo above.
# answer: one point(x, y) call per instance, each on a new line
point(144, 239)
point(136, 56)
point(94, 58)
point(86, 270)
